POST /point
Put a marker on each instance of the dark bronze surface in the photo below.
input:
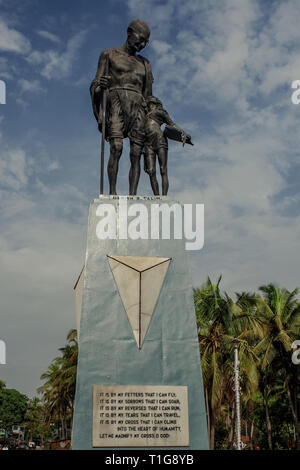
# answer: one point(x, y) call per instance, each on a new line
point(124, 107)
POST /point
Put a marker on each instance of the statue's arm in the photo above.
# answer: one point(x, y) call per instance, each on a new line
point(147, 91)
point(102, 71)
point(171, 123)
point(97, 85)
point(168, 120)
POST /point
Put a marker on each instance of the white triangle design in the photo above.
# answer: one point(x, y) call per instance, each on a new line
point(139, 263)
point(139, 280)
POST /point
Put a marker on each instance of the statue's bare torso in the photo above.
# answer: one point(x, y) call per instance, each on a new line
point(126, 71)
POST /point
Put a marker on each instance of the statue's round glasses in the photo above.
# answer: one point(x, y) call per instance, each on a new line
point(140, 37)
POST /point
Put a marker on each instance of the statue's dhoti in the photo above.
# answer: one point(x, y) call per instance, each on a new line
point(126, 115)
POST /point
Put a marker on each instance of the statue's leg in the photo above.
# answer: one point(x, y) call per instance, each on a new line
point(162, 154)
point(116, 147)
point(150, 156)
point(154, 183)
point(135, 168)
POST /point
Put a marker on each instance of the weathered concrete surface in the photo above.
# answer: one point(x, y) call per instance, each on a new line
point(108, 353)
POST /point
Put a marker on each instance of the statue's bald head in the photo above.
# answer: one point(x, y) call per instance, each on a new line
point(138, 33)
point(139, 26)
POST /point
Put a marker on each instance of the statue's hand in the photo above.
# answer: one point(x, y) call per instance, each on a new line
point(185, 137)
point(104, 81)
point(189, 139)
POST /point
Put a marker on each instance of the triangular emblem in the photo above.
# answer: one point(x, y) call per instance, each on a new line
point(139, 280)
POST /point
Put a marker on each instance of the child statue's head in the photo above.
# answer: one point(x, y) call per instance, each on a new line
point(152, 101)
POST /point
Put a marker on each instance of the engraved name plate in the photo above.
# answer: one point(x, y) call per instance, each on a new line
point(140, 416)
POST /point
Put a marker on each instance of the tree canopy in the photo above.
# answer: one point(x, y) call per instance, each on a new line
point(13, 407)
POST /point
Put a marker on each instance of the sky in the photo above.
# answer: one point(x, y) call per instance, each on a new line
point(223, 70)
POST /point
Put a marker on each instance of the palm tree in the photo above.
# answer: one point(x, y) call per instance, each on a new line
point(281, 313)
point(54, 395)
point(60, 381)
point(220, 320)
point(69, 367)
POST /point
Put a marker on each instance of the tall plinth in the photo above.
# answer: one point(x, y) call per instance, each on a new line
point(139, 381)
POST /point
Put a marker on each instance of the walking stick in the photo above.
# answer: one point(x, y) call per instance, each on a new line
point(104, 101)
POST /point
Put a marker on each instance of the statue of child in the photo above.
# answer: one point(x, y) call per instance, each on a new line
point(156, 142)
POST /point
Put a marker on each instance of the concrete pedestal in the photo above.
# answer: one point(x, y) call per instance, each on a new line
point(109, 353)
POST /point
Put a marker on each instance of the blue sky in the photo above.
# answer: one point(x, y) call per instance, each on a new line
point(223, 71)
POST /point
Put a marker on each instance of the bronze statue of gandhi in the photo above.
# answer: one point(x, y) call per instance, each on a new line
point(127, 78)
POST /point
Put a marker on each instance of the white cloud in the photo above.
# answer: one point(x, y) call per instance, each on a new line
point(5, 70)
point(47, 35)
point(224, 49)
point(58, 64)
point(158, 16)
point(31, 86)
point(42, 239)
point(231, 61)
point(14, 169)
point(12, 40)
point(54, 165)
point(38, 269)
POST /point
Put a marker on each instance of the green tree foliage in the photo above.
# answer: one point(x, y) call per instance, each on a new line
point(58, 391)
point(220, 320)
point(266, 326)
point(35, 422)
point(13, 406)
point(281, 313)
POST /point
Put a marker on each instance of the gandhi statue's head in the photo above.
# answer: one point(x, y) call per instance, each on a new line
point(138, 34)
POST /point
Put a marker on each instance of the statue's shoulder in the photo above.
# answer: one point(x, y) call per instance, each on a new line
point(106, 52)
point(110, 52)
point(114, 51)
